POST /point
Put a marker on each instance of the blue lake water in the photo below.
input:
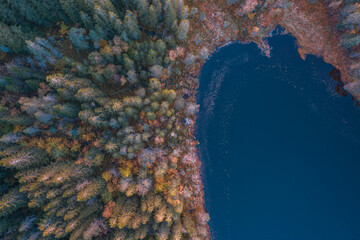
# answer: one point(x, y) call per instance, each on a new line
point(280, 147)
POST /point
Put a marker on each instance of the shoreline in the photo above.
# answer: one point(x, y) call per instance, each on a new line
point(330, 51)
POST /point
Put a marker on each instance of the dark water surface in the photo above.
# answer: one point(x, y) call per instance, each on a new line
point(280, 147)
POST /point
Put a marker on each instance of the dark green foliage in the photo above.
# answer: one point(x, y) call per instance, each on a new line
point(12, 38)
point(77, 37)
point(71, 8)
point(43, 51)
point(22, 20)
point(11, 201)
point(143, 11)
point(21, 159)
point(131, 26)
point(19, 19)
point(43, 12)
point(67, 110)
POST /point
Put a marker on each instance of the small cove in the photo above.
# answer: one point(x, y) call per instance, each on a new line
point(280, 147)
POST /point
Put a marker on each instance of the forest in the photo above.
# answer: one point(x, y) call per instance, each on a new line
point(93, 132)
point(97, 107)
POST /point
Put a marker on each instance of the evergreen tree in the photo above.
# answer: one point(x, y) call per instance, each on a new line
point(72, 9)
point(131, 25)
point(159, 7)
point(101, 18)
point(26, 9)
point(43, 51)
point(170, 14)
point(78, 38)
point(151, 58)
point(183, 30)
point(9, 15)
point(153, 17)
point(11, 201)
point(160, 47)
point(86, 20)
point(11, 38)
point(143, 11)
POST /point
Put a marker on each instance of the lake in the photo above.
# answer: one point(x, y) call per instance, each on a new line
point(280, 147)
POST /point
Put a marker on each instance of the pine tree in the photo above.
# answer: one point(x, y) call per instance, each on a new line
point(143, 11)
point(43, 51)
point(49, 12)
point(93, 189)
point(67, 110)
point(131, 25)
point(159, 8)
point(72, 9)
point(116, 23)
point(88, 94)
point(170, 14)
point(151, 58)
point(101, 18)
point(183, 30)
point(11, 201)
point(163, 232)
point(25, 9)
point(10, 40)
point(153, 17)
point(180, 9)
point(86, 20)
point(161, 47)
point(8, 15)
point(78, 38)
point(21, 159)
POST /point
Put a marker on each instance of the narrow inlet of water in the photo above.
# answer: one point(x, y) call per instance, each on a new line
point(280, 147)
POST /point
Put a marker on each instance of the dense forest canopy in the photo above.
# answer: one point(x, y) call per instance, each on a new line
point(92, 130)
